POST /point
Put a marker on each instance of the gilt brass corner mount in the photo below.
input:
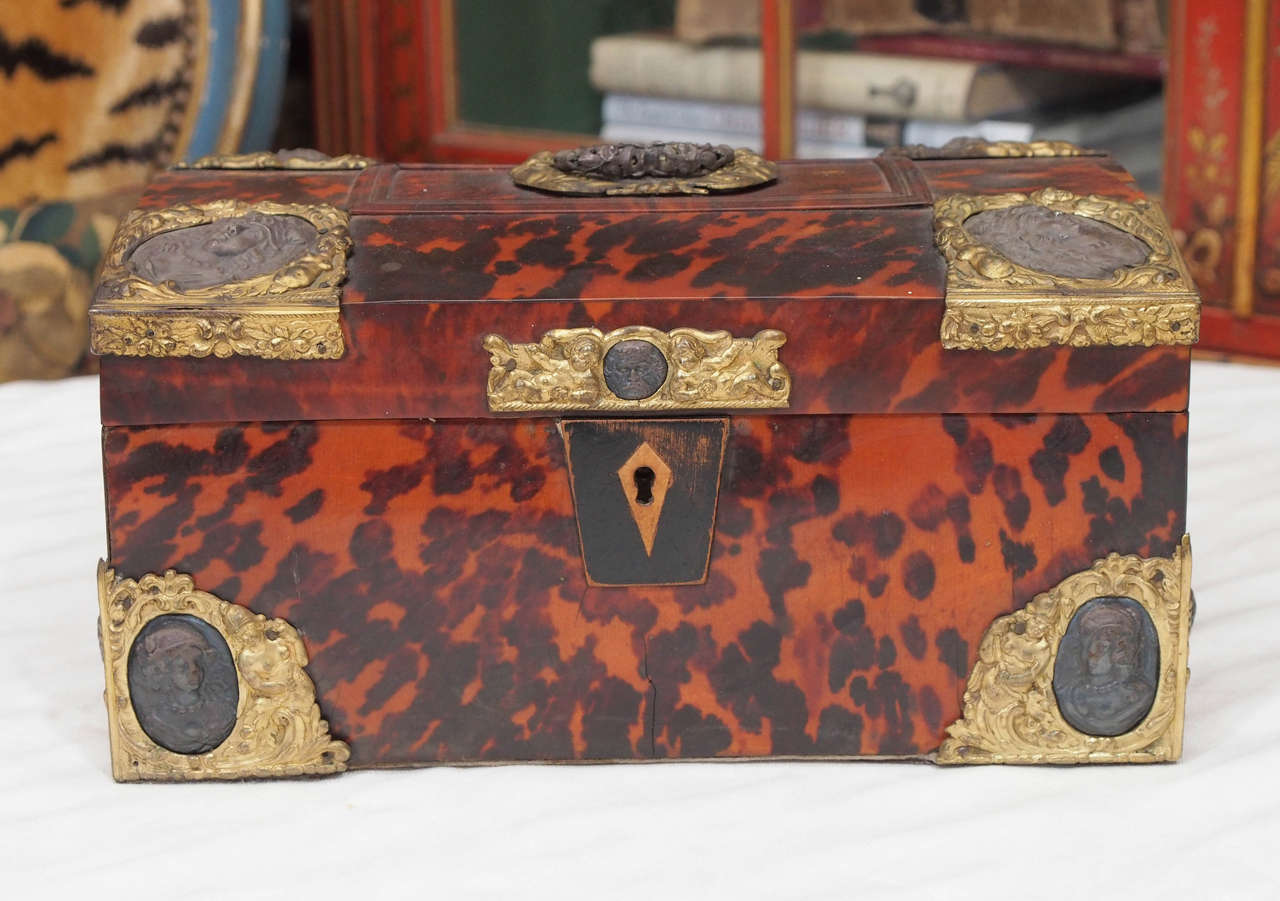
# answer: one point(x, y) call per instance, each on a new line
point(1039, 299)
point(224, 278)
point(199, 688)
point(1092, 671)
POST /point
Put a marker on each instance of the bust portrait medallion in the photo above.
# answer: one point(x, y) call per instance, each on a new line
point(634, 370)
point(1107, 667)
point(182, 683)
point(1061, 244)
point(218, 253)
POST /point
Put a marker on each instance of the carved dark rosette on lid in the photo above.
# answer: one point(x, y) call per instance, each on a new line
point(659, 159)
point(662, 167)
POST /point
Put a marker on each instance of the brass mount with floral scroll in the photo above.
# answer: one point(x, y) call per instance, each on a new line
point(199, 688)
point(637, 368)
point(1092, 671)
point(305, 159)
point(672, 167)
point(963, 148)
point(223, 278)
point(1033, 280)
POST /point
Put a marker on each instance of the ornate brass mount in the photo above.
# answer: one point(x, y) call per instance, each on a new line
point(657, 168)
point(200, 671)
point(979, 148)
point(300, 158)
point(256, 279)
point(1016, 697)
point(994, 303)
point(637, 368)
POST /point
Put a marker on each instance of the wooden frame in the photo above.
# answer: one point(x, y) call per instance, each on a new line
point(374, 57)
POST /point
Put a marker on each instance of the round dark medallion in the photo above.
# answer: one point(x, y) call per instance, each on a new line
point(182, 682)
point(1107, 667)
point(634, 369)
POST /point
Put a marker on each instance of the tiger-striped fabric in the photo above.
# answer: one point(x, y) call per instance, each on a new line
point(94, 94)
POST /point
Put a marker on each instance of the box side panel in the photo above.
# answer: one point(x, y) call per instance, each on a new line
point(1079, 175)
point(885, 253)
point(428, 361)
point(181, 186)
point(434, 572)
point(802, 185)
point(857, 289)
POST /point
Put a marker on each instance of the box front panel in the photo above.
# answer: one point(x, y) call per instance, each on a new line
point(435, 574)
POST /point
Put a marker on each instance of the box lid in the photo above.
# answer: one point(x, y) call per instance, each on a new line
point(895, 285)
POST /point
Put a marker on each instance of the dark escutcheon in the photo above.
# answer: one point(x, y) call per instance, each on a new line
point(218, 253)
point(621, 468)
point(634, 370)
point(1107, 667)
point(1061, 244)
point(182, 683)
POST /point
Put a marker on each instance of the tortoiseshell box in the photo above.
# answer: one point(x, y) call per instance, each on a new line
point(413, 465)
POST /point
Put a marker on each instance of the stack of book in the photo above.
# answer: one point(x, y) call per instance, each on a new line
point(852, 103)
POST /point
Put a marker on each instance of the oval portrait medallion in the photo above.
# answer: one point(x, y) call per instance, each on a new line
point(182, 682)
point(1107, 667)
point(634, 369)
point(1061, 244)
point(218, 253)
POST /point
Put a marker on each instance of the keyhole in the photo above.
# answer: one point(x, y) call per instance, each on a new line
point(644, 485)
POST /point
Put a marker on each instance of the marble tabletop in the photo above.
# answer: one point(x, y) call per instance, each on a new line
point(1206, 827)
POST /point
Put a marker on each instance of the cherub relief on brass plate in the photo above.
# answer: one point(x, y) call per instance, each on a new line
point(1092, 671)
point(222, 278)
point(1053, 267)
point(672, 167)
point(637, 368)
point(199, 688)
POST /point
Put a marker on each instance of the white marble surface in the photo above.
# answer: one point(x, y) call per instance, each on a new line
point(1208, 827)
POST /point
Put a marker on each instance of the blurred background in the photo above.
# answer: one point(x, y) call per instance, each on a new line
point(98, 94)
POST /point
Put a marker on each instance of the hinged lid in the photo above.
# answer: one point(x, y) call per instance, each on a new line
point(1026, 284)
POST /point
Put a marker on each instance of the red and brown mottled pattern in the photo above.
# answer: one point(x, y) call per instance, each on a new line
point(839, 256)
point(179, 186)
point(426, 360)
point(434, 572)
point(808, 185)
point(1077, 174)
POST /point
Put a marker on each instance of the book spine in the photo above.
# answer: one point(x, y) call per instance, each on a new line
point(740, 118)
point(933, 133)
point(709, 115)
point(645, 65)
point(1043, 56)
point(805, 148)
point(857, 83)
point(885, 85)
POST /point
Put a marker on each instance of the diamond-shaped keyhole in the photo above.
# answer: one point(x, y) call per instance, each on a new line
point(645, 478)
